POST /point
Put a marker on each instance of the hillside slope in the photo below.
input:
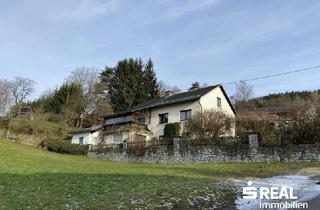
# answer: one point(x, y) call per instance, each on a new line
point(36, 179)
point(295, 100)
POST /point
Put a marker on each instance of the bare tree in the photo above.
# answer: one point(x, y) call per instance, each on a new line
point(5, 96)
point(165, 87)
point(210, 124)
point(87, 78)
point(21, 89)
point(244, 92)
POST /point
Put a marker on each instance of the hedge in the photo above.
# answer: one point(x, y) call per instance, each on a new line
point(172, 130)
point(64, 147)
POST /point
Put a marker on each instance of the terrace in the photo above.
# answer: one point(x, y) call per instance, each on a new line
point(128, 118)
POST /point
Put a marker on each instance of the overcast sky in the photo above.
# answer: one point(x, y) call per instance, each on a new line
point(210, 41)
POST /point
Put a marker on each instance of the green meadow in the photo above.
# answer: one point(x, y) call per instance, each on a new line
point(31, 178)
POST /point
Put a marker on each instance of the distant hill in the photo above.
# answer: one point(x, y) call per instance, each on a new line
point(280, 102)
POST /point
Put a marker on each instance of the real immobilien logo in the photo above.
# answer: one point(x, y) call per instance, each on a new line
point(273, 197)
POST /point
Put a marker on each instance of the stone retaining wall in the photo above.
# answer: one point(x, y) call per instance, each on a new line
point(206, 154)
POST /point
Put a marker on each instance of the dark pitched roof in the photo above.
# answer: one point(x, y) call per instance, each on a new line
point(177, 98)
point(87, 130)
point(118, 114)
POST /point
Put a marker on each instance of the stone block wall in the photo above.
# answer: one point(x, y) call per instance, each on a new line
point(215, 154)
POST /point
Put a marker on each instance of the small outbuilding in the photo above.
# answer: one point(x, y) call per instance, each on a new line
point(85, 136)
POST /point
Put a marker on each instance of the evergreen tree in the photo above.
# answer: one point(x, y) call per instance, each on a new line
point(150, 81)
point(130, 83)
point(67, 97)
point(67, 100)
point(194, 86)
point(124, 84)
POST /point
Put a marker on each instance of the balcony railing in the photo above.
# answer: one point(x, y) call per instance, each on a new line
point(122, 120)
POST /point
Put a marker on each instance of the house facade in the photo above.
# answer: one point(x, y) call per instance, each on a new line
point(124, 127)
point(86, 136)
point(147, 120)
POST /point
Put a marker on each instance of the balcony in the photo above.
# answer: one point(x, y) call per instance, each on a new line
point(123, 120)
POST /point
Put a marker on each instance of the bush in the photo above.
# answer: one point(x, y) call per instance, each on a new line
point(38, 127)
point(259, 124)
point(21, 126)
point(298, 127)
point(4, 122)
point(171, 130)
point(209, 126)
point(54, 130)
point(55, 118)
point(302, 129)
point(64, 147)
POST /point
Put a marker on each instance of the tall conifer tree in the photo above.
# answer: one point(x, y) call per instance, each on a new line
point(150, 81)
point(130, 83)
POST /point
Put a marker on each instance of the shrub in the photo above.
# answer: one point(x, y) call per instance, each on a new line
point(55, 118)
point(302, 129)
point(4, 123)
point(38, 127)
point(64, 147)
point(171, 130)
point(21, 126)
point(54, 130)
point(208, 126)
point(259, 124)
point(298, 127)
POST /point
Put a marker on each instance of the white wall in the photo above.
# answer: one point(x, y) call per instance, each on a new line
point(126, 135)
point(88, 138)
point(208, 102)
point(109, 138)
point(173, 115)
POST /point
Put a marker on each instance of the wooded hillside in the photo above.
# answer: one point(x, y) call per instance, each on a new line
point(294, 100)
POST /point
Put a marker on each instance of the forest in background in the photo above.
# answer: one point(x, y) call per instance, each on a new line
point(279, 102)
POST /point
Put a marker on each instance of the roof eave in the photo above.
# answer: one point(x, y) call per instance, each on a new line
point(163, 105)
point(228, 100)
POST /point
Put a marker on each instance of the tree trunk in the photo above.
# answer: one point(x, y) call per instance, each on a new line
point(80, 120)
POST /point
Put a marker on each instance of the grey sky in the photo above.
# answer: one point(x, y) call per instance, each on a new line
point(210, 41)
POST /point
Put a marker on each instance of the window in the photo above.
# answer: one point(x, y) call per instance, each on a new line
point(218, 102)
point(141, 120)
point(185, 115)
point(163, 118)
point(117, 138)
point(118, 120)
point(81, 140)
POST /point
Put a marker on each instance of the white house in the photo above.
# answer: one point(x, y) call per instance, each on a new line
point(86, 136)
point(148, 119)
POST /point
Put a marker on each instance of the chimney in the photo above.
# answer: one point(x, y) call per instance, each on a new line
point(168, 93)
point(194, 88)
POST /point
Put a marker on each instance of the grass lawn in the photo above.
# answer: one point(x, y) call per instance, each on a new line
point(34, 179)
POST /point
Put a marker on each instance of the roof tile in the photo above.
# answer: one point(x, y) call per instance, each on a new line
point(175, 99)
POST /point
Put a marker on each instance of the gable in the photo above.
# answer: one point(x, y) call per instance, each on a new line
point(209, 101)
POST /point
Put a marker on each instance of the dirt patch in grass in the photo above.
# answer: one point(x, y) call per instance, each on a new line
point(310, 171)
